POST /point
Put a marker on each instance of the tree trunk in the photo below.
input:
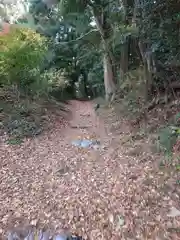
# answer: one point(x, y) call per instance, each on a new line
point(124, 60)
point(146, 54)
point(125, 46)
point(85, 82)
point(147, 61)
point(108, 78)
point(108, 58)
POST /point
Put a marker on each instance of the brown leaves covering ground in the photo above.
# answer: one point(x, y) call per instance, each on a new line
point(105, 194)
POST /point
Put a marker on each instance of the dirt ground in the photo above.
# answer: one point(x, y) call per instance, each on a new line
point(115, 192)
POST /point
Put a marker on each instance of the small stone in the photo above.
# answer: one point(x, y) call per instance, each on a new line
point(120, 222)
point(111, 218)
point(174, 212)
point(158, 218)
point(34, 222)
point(95, 147)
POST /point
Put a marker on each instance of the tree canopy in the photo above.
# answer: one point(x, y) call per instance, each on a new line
point(102, 42)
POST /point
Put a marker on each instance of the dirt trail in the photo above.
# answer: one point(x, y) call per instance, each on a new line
point(101, 194)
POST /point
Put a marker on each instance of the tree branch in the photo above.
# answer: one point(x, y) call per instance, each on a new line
point(79, 38)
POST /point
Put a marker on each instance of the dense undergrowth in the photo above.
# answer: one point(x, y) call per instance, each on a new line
point(25, 86)
point(156, 118)
point(24, 117)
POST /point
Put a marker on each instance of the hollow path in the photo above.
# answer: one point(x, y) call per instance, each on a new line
point(99, 193)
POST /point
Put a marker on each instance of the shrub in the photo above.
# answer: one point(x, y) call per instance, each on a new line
point(169, 136)
point(167, 139)
point(50, 81)
point(22, 54)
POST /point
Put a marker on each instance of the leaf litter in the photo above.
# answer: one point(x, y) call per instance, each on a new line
point(105, 194)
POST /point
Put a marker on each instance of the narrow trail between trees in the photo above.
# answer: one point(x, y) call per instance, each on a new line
point(101, 193)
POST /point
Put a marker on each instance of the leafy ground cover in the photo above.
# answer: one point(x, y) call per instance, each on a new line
point(119, 191)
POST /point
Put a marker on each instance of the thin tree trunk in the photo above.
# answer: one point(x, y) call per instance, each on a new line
point(85, 82)
point(108, 61)
point(147, 70)
point(108, 78)
point(124, 60)
point(145, 55)
point(101, 31)
point(125, 46)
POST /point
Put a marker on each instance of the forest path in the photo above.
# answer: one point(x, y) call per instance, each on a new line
point(100, 192)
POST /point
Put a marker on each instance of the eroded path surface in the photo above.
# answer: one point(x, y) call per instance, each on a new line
point(99, 193)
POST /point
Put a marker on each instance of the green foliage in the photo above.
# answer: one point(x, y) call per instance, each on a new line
point(95, 81)
point(177, 118)
point(56, 78)
point(159, 29)
point(14, 141)
point(22, 54)
point(53, 81)
point(169, 135)
point(162, 25)
point(167, 139)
